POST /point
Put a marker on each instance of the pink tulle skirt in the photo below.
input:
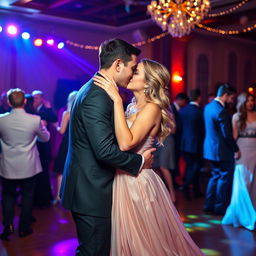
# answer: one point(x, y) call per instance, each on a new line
point(144, 220)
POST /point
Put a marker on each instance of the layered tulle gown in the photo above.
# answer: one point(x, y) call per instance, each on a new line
point(144, 220)
point(242, 208)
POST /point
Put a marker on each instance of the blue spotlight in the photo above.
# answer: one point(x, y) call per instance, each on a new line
point(1, 29)
point(60, 45)
point(25, 35)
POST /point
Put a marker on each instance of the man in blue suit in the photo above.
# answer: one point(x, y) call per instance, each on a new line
point(221, 149)
point(191, 144)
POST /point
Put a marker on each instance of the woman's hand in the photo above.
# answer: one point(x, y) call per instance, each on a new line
point(109, 86)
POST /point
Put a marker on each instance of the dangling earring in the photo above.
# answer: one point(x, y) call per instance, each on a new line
point(146, 91)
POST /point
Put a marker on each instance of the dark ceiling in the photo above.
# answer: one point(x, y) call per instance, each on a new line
point(117, 13)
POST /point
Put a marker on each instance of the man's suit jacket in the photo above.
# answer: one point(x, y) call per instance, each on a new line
point(219, 144)
point(192, 129)
point(18, 135)
point(47, 114)
point(93, 155)
point(177, 134)
point(45, 148)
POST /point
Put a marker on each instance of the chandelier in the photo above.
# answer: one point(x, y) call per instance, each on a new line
point(179, 17)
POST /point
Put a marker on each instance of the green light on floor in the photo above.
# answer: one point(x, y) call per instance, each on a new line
point(201, 225)
point(189, 230)
point(200, 228)
point(215, 221)
point(192, 216)
point(207, 216)
point(209, 252)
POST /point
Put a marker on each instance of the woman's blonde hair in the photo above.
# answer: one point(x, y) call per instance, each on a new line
point(157, 79)
point(70, 100)
point(241, 109)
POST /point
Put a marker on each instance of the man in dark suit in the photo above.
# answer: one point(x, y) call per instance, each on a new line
point(181, 101)
point(219, 148)
point(43, 192)
point(94, 155)
point(191, 144)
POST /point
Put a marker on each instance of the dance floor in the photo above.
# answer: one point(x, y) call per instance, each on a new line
point(54, 233)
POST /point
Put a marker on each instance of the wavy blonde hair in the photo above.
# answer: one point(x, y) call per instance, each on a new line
point(241, 109)
point(157, 79)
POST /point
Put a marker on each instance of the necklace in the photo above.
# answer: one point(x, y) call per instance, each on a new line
point(133, 109)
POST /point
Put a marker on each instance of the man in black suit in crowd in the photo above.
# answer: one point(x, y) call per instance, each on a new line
point(180, 101)
point(94, 155)
point(43, 192)
point(221, 149)
point(191, 144)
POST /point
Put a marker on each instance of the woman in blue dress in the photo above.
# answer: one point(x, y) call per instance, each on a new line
point(242, 208)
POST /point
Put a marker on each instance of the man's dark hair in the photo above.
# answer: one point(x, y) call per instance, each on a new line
point(114, 49)
point(181, 96)
point(194, 94)
point(225, 88)
point(16, 97)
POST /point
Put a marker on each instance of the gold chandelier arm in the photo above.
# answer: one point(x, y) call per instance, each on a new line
point(184, 9)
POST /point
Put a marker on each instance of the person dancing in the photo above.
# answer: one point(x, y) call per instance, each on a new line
point(144, 219)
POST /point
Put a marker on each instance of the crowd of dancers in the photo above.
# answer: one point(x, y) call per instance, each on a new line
point(223, 137)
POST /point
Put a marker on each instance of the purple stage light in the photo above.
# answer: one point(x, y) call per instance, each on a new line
point(50, 42)
point(12, 30)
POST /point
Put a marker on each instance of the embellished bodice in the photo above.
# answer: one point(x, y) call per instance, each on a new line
point(149, 140)
point(249, 131)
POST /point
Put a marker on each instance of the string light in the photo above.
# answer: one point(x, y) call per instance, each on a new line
point(137, 44)
point(228, 11)
point(228, 32)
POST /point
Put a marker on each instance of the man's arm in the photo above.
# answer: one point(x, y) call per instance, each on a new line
point(227, 130)
point(42, 133)
point(96, 115)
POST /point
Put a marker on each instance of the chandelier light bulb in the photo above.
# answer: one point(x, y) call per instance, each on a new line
point(177, 16)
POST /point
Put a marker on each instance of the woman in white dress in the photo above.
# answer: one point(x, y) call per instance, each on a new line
point(242, 208)
point(144, 219)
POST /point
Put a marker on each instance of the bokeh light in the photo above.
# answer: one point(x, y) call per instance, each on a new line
point(38, 42)
point(250, 90)
point(12, 30)
point(60, 45)
point(50, 42)
point(66, 247)
point(25, 35)
point(210, 252)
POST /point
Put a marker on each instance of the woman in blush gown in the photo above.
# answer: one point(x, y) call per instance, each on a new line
point(242, 208)
point(144, 219)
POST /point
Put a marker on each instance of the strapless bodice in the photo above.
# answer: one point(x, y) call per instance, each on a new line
point(145, 144)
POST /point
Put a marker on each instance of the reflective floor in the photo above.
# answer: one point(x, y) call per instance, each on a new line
point(54, 233)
